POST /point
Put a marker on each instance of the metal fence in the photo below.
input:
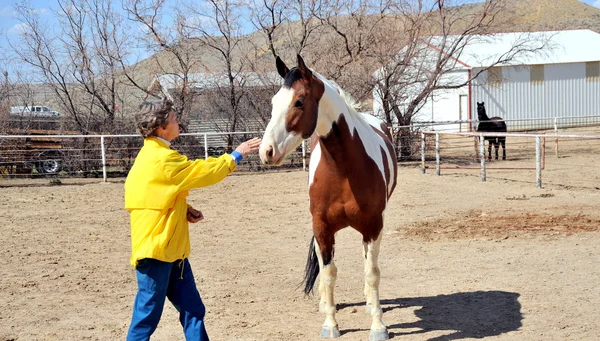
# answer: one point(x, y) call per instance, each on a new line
point(568, 159)
point(409, 137)
point(513, 125)
point(109, 156)
point(113, 155)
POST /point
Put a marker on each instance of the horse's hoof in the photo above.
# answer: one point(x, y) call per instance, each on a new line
point(330, 333)
point(379, 335)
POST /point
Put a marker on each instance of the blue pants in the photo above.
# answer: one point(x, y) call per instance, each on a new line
point(156, 281)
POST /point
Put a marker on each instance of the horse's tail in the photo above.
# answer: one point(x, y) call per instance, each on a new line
point(312, 268)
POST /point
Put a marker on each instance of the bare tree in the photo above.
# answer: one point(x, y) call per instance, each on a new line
point(267, 16)
point(172, 43)
point(415, 44)
point(289, 26)
point(217, 28)
point(80, 60)
point(309, 25)
point(354, 32)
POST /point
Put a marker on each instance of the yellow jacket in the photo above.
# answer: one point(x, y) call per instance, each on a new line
point(155, 195)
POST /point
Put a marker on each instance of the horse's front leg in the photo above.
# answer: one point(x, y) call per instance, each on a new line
point(490, 150)
point(328, 274)
point(372, 278)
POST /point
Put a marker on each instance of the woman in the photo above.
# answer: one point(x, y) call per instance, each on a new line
point(155, 195)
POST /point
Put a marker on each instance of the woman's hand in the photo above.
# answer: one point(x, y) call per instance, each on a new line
point(249, 147)
point(193, 215)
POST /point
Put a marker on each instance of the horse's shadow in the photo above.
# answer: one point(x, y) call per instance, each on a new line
point(468, 314)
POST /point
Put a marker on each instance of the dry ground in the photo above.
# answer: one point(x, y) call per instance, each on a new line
point(461, 259)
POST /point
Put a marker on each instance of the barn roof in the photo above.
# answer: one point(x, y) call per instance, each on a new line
point(572, 46)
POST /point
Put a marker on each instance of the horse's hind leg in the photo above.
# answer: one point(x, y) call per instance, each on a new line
point(503, 142)
point(496, 148)
point(372, 277)
point(327, 278)
point(322, 293)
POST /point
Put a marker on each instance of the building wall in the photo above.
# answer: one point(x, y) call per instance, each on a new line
point(564, 92)
point(443, 105)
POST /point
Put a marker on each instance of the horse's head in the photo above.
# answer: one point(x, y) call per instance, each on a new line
point(295, 112)
point(481, 114)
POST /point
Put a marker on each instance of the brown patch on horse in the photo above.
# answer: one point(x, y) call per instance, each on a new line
point(347, 189)
point(303, 119)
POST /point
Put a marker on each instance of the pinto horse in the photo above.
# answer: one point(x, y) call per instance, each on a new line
point(352, 175)
point(494, 124)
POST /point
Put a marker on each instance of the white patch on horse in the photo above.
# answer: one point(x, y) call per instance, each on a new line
point(315, 157)
point(376, 124)
point(280, 103)
point(333, 105)
point(276, 130)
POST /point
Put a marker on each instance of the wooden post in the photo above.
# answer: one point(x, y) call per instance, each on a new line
point(423, 153)
point(538, 161)
point(103, 152)
point(205, 146)
point(304, 155)
point(482, 157)
point(556, 136)
point(437, 154)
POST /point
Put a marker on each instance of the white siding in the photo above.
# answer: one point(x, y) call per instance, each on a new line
point(444, 105)
point(565, 92)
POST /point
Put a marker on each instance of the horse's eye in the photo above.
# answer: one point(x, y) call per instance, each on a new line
point(299, 103)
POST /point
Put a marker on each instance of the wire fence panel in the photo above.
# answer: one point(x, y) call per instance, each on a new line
point(110, 156)
point(565, 160)
point(33, 155)
point(513, 125)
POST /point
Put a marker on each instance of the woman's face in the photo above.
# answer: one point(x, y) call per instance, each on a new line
point(171, 130)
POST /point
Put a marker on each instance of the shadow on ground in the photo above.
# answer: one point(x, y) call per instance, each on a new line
point(465, 315)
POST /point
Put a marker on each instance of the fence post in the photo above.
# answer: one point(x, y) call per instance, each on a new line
point(205, 146)
point(103, 151)
point(482, 156)
point(422, 153)
point(304, 155)
point(538, 161)
point(556, 136)
point(437, 154)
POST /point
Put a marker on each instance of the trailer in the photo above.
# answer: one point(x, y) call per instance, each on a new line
point(34, 150)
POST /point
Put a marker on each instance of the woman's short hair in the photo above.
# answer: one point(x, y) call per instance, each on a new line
point(152, 115)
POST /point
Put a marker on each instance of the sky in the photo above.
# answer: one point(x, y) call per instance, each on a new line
point(10, 26)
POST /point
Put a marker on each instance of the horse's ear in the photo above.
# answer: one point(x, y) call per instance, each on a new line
point(281, 68)
point(478, 103)
point(482, 103)
point(306, 73)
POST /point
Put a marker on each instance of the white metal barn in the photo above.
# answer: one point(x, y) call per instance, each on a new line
point(561, 81)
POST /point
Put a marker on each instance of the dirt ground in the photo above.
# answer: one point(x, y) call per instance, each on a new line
point(461, 259)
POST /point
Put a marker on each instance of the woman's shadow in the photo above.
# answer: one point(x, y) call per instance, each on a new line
point(468, 314)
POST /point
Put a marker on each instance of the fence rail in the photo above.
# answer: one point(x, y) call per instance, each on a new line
point(113, 155)
point(513, 125)
point(463, 150)
point(31, 156)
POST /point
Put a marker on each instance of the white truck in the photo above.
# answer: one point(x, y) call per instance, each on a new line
point(33, 110)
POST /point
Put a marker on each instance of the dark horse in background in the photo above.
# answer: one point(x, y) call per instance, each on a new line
point(491, 125)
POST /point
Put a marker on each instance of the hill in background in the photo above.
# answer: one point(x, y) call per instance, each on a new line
point(518, 16)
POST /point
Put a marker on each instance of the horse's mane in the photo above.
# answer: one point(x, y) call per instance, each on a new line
point(351, 103)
